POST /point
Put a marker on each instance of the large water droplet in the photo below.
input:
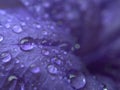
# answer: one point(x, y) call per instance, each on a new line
point(17, 29)
point(35, 69)
point(5, 57)
point(52, 69)
point(78, 82)
point(26, 44)
point(1, 38)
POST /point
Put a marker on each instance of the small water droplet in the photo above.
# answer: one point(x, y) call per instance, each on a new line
point(1, 38)
point(78, 82)
point(5, 57)
point(45, 32)
point(12, 78)
point(52, 69)
point(22, 66)
point(23, 23)
point(77, 46)
point(105, 89)
point(37, 26)
point(17, 29)
point(59, 62)
point(17, 61)
point(7, 25)
point(45, 52)
point(35, 69)
point(26, 44)
point(2, 12)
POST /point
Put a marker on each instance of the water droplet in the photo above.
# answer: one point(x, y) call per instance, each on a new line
point(37, 26)
point(23, 23)
point(17, 61)
point(52, 69)
point(1, 38)
point(35, 69)
point(7, 25)
point(105, 89)
point(45, 52)
point(22, 66)
point(2, 12)
point(59, 62)
point(78, 82)
point(45, 32)
point(77, 46)
point(12, 78)
point(5, 57)
point(65, 46)
point(17, 29)
point(26, 44)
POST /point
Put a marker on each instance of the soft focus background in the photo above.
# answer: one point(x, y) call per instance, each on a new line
point(94, 32)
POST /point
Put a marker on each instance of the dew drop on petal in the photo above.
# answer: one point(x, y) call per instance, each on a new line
point(5, 57)
point(26, 44)
point(77, 46)
point(78, 82)
point(2, 12)
point(22, 66)
point(23, 23)
point(52, 69)
point(1, 38)
point(105, 89)
point(7, 25)
point(17, 29)
point(35, 70)
point(45, 52)
point(45, 32)
point(17, 61)
point(12, 77)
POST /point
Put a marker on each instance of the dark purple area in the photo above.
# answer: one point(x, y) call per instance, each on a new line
point(59, 45)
